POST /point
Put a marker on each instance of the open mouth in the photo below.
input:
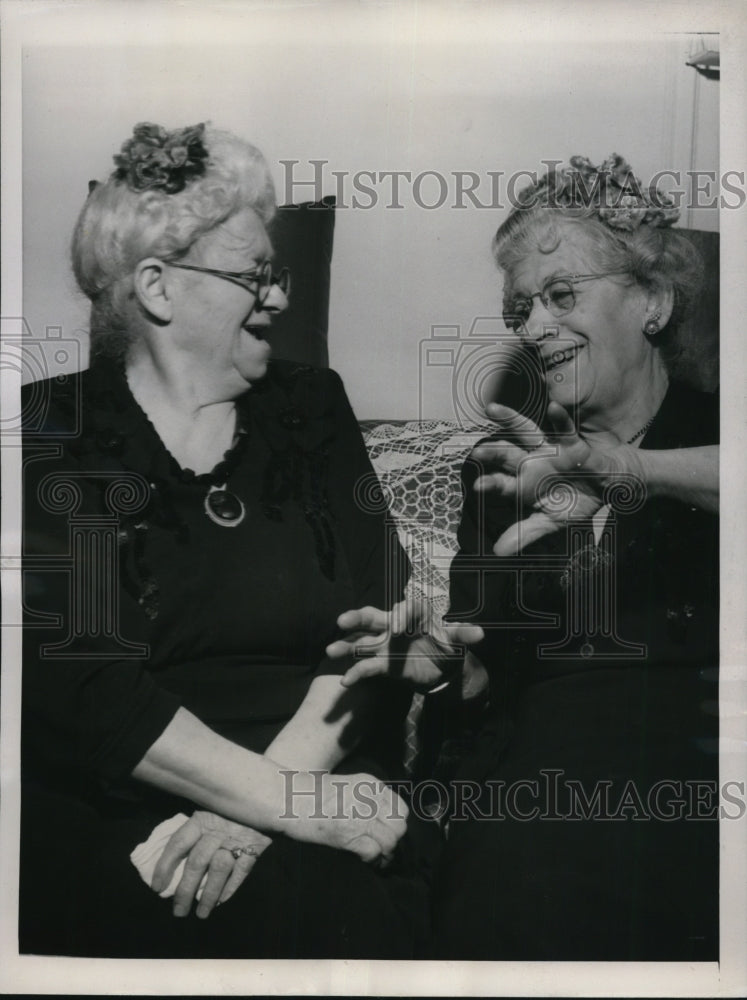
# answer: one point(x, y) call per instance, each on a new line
point(258, 332)
point(559, 358)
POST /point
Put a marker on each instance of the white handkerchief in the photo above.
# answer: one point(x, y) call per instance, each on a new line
point(145, 856)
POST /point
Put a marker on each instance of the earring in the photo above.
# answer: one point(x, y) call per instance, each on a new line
point(651, 326)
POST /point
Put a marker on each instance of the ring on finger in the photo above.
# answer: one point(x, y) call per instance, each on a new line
point(250, 850)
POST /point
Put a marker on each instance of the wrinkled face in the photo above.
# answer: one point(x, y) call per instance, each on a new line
point(221, 326)
point(595, 356)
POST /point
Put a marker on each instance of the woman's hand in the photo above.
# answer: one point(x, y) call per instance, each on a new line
point(405, 643)
point(350, 812)
point(204, 843)
point(559, 477)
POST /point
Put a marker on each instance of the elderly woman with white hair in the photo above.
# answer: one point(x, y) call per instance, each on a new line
point(596, 833)
point(584, 821)
point(175, 665)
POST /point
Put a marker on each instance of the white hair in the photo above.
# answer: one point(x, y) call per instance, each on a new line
point(119, 226)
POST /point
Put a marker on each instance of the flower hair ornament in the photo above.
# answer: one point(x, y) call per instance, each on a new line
point(611, 189)
point(155, 158)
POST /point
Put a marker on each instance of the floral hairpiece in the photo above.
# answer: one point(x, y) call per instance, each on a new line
point(612, 189)
point(156, 158)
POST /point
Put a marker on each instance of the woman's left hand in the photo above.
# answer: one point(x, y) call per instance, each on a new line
point(205, 843)
point(559, 476)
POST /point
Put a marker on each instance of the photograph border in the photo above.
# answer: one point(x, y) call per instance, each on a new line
point(28, 22)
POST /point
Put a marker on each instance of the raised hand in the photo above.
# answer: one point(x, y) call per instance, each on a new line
point(406, 642)
point(559, 477)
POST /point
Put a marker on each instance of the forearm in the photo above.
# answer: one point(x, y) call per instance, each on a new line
point(327, 726)
point(191, 761)
point(689, 475)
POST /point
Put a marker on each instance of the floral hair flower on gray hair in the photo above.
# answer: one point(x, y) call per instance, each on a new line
point(156, 158)
point(167, 189)
point(610, 191)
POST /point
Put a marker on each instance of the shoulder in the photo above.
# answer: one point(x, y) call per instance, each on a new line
point(290, 374)
point(74, 405)
point(53, 407)
point(687, 418)
point(312, 390)
point(309, 404)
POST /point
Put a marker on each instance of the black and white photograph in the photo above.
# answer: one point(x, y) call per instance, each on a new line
point(373, 456)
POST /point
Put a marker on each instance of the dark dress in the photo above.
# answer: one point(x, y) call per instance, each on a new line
point(595, 835)
point(157, 607)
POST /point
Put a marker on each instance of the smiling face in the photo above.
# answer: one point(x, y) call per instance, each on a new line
point(595, 357)
point(220, 329)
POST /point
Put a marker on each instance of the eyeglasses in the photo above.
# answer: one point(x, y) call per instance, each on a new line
point(259, 280)
point(557, 296)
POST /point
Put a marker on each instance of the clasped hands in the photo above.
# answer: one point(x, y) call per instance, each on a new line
point(354, 813)
point(218, 854)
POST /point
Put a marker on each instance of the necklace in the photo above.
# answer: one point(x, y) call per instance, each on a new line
point(642, 431)
point(223, 507)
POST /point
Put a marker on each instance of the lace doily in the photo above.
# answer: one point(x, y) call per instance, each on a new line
point(418, 464)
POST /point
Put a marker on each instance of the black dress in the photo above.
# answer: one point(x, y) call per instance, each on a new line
point(594, 836)
point(157, 606)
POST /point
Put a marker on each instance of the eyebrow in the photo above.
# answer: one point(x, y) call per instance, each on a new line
point(257, 262)
point(552, 276)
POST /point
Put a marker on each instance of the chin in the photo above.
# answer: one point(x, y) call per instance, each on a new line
point(255, 372)
point(569, 384)
point(565, 392)
point(253, 367)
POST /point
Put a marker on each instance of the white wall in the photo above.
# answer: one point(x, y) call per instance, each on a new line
point(412, 87)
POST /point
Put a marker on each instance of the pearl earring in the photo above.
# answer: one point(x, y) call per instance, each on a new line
point(651, 327)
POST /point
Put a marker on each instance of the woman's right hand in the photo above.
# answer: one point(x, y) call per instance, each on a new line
point(406, 642)
point(350, 812)
point(550, 480)
point(356, 813)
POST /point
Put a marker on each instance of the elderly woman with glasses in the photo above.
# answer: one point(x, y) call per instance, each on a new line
point(595, 837)
point(583, 822)
point(192, 533)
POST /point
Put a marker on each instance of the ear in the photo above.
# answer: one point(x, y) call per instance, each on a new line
point(659, 304)
point(151, 290)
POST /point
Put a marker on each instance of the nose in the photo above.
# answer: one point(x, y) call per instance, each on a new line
point(540, 324)
point(275, 302)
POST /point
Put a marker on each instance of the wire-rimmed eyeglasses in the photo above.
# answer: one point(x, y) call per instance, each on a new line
point(557, 296)
point(259, 280)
